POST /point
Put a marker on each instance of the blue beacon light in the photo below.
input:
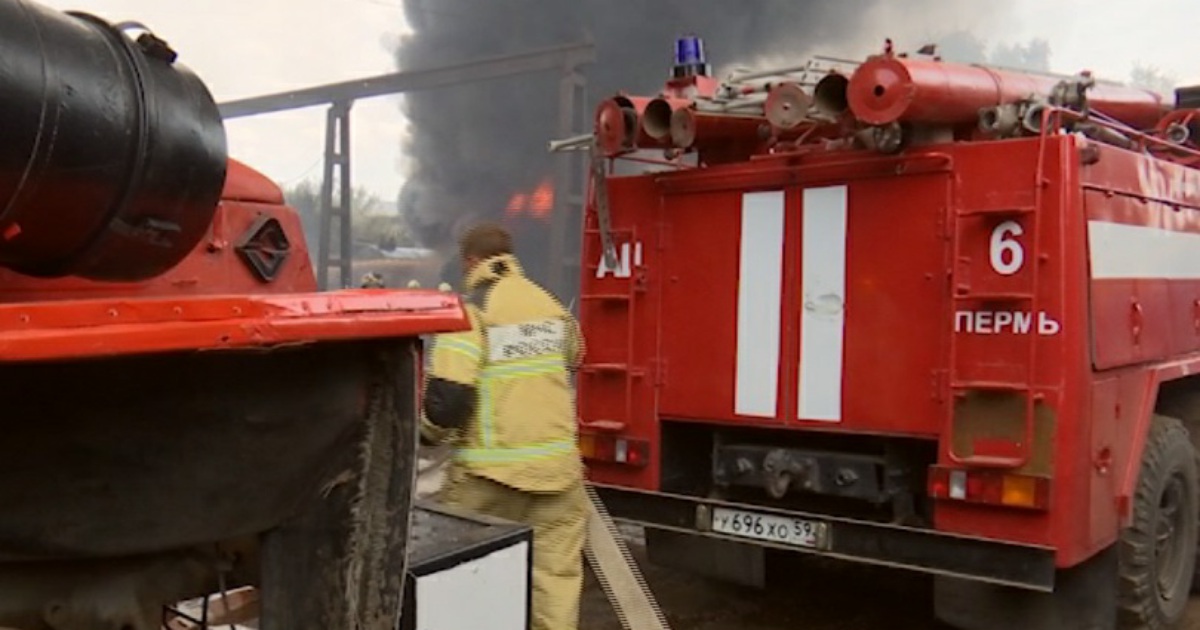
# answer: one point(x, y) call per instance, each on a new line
point(689, 51)
point(689, 57)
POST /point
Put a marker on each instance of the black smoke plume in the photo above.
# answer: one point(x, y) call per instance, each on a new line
point(474, 145)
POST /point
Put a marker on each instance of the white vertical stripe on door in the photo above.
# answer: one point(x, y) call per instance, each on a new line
point(760, 289)
point(823, 315)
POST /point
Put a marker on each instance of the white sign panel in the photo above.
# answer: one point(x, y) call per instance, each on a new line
point(489, 592)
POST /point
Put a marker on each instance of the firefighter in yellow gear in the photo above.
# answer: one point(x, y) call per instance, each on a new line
point(502, 394)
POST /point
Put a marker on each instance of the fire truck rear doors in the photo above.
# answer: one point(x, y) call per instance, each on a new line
point(822, 304)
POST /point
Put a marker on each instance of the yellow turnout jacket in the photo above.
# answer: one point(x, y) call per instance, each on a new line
point(517, 357)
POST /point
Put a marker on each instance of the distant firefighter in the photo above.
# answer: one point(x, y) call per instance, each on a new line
point(372, 280)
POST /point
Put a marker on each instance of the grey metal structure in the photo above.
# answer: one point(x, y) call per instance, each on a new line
point(571, 175)
point(340, 97)
point(337, 173)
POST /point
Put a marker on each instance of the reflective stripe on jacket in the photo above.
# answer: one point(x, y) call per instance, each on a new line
point(518, 355)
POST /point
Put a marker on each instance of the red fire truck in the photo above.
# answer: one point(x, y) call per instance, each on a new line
point(907, 312)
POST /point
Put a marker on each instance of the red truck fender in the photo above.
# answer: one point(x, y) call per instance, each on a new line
point(1135, 433)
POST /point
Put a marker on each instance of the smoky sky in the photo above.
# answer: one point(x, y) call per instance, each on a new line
point(474, 145)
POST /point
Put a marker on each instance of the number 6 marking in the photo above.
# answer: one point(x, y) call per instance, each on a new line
point(1003, 244)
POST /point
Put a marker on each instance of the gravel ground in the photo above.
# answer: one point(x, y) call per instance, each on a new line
point(810, 593)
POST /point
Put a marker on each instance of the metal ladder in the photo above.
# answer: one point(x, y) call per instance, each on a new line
point(964, 294)
point(626, 299)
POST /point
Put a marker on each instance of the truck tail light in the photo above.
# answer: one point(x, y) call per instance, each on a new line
point(990, 487)
point(614, 449)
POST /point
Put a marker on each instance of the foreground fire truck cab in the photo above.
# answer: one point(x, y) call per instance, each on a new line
point(904, 312)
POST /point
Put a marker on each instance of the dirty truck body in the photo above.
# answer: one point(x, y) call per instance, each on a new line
point(184, 412)
point(891, 333)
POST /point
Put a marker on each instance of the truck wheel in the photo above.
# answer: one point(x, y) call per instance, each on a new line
point(1186, 407)
point(1157, 552)
point(341, 563)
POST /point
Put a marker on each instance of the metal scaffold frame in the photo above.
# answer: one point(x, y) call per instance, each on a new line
point(340, 97)
point(571, 183)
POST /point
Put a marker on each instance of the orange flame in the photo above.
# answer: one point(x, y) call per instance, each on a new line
point(542, 201)
point(538, 204)
point(517, 204)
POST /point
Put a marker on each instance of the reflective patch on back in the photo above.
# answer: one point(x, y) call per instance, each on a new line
point(525, 340)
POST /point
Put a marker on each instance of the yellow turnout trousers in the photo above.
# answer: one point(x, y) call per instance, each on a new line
point(559, 522)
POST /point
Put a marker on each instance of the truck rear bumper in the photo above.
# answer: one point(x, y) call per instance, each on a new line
point(928, 551)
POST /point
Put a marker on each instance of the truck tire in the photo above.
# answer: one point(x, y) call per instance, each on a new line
point(1186, 407)
point(1157, 551)
point(341, 563)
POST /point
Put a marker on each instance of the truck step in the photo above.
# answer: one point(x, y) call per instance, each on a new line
point(1003, 211)
point(607, 297)
point(611, 368)
point(995, 386)
point(967, 295)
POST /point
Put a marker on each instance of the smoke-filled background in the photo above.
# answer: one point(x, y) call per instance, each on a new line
point(475, 146)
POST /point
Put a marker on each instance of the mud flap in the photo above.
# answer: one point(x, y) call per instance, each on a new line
point(341, 564)
point(1085, 598)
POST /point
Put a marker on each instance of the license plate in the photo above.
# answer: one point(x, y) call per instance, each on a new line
point(777, 529)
